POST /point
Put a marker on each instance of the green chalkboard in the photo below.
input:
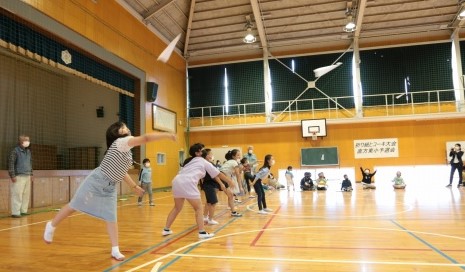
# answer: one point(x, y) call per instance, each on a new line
point(319, 156)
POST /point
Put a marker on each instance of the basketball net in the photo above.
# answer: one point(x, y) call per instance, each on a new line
point(314, 137)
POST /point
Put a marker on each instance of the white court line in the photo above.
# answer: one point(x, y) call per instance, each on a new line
point(410, 208)
point(175, 252)
point(155, 267)
point(73, 215)
point(316, 260)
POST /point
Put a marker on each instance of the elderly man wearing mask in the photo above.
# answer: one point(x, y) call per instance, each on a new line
point(20, 172)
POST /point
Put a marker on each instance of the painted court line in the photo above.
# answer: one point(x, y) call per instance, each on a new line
point(318, 260)
point(176, 252)
point(410, 208)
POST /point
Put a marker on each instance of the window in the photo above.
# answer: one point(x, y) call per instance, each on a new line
point(161, 159)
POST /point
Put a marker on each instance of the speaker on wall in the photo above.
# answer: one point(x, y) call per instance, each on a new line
point(152, 89)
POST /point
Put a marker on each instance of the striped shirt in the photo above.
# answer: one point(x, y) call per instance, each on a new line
point(117, 160)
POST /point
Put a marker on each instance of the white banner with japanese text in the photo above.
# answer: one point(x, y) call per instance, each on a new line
point(376, 148)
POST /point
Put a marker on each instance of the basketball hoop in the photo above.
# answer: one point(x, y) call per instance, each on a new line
point(314, 137)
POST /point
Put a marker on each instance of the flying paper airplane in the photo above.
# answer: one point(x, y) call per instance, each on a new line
point(166, 54)
point(323, 70)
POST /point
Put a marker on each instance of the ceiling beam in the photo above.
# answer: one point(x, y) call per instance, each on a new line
point(360, 13)
point(154, 9)
point(259, 23)
point(189, 26)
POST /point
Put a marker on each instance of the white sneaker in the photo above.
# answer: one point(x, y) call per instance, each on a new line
point(48, 233)
point(268, 210)
point(237, 201)
point(206, 235)
point(212, 222)
point(166, 232)
point(262, 212)
point(252, 196)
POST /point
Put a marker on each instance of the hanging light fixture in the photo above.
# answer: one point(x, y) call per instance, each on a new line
point(350, 12)
point(249, 36)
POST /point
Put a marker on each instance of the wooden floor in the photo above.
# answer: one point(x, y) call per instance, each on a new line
point(419, 229)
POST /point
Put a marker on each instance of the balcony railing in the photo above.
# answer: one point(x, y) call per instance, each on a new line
point(334, 108)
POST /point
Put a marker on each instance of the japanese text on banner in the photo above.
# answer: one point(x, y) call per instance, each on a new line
point(376, 148)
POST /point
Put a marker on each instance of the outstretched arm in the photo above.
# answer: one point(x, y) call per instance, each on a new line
point(136, 188)
point(151, 137)
point(227, 179)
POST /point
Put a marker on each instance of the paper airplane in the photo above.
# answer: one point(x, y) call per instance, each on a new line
point(323, 70)
point(166, 54)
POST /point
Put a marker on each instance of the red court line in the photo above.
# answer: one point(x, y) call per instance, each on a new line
point(254, 242)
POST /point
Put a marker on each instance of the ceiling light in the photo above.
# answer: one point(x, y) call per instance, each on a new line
point(249, 36)
point(350, 27)
point(350, 14)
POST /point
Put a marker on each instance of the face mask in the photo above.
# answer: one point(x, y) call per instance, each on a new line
point(26, 144)
point(250, 151)
point(147, 165)
point(367, 172)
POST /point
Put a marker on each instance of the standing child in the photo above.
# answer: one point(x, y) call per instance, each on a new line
point(366, 181)
point(290, 178)
point(184, 188)
point(321, 182)
point(398, 181)
point(346, 184)
point(210, 187)
point(257, 184)
point(145, 179)
point(97, 194)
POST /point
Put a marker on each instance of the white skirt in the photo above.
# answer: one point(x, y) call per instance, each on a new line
point(96, 196)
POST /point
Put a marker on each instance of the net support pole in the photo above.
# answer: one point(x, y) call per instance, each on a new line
point(267, 89)
point(457, 72)
point(356, 81)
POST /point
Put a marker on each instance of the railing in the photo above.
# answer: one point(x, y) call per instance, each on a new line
point(383, 105)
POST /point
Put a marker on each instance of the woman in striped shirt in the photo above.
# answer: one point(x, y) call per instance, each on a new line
point(96, 196)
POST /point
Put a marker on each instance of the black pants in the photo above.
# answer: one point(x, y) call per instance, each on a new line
point(453, 167)
point(248, 177)
point(260, 195)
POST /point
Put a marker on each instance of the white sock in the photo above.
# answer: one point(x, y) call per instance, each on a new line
point(115, 249)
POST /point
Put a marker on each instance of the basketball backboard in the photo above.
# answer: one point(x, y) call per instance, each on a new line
point(311, 126)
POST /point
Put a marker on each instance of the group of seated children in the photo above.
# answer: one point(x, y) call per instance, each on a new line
point(306, 183)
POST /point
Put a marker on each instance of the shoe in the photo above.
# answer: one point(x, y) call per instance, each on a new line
point(268, 210)
point(252, 196)
point(449, 185)
point(48, 233)
point(166, 232)
point(24, 213)
point(262, 212)
point(237, 201)
point(16, 216)
point(205, 235)
point(236, 214)
point(212, 222)
point(152, 204)
point(139, 203)
point(118, 256)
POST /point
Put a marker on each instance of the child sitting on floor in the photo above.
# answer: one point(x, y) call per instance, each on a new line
point(346, 184)
point(398, 181)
